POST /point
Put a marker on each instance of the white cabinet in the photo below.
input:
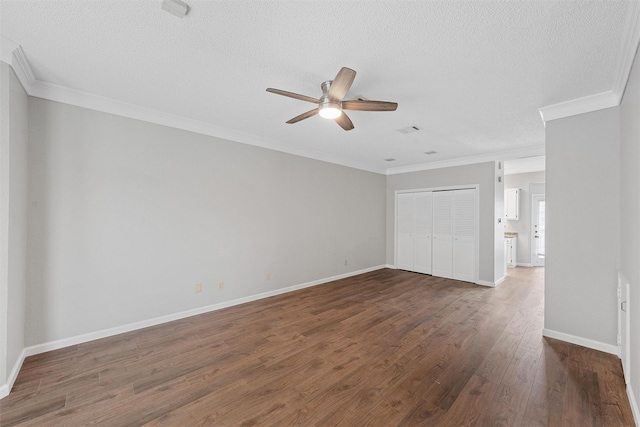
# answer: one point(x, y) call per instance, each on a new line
point(512, 203)
point(511, 251)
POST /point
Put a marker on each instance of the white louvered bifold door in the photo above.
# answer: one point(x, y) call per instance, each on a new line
point(405, 231)
point(443, 234)
point(464, 235)
point(422, 232)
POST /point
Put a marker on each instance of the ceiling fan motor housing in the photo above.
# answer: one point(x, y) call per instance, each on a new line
point(329, 109)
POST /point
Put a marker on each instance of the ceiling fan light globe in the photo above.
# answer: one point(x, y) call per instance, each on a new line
point(330, 112)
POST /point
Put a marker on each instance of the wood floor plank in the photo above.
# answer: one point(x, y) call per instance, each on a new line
point(384, 348)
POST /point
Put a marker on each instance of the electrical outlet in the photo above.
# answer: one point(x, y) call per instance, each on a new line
point(268, 276)
point(198, 288)
point(345, 262)
point(220, 284)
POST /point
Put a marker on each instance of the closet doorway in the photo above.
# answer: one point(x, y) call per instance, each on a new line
point(437, 232)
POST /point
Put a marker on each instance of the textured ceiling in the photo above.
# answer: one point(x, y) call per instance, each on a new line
point(470, 74)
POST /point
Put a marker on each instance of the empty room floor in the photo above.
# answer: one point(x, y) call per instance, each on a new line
point(384, 348)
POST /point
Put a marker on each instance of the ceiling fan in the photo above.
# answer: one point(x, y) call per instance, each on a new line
point(331, 105)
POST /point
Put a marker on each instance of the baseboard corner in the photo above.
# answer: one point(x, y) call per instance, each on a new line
point(5, 389)
point(634, 404)
point(486, 283)
point(584, 342)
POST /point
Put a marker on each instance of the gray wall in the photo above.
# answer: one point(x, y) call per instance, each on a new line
point(583, 225)
point(630, 212)
point(523, 225)
point(13, 218)
point(482, 174)
point(127, 216)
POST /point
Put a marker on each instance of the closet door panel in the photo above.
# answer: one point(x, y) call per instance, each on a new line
point(464, 235)
point(406, 221)
point(443, 234)
point(422, 232)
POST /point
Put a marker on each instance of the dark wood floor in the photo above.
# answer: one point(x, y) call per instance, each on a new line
point(384, 348)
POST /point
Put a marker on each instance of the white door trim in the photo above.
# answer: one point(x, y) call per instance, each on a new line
point(532, 240)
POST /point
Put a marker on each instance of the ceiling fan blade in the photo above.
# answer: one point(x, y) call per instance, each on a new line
point(341, 84)
point(303, 116)
point(293, 95)
point(344, 121)
point(367, 105)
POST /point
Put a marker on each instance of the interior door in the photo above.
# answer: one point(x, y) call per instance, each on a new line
point(422, 232)
point(464, 235)
point(443, 234)
point(405, 215)
point(537, 230)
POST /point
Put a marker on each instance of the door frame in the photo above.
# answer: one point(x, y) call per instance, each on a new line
point(434, 189)
point(624, 326)
point(532, 239)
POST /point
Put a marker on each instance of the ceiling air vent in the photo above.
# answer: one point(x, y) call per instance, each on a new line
point(430, 152)
point(409, 129)
point(175, 7)
point(389, 160)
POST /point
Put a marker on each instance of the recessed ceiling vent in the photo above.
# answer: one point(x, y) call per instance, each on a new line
point(430, 152)
point(389, 160)
point(175, 7)
point(409, 129)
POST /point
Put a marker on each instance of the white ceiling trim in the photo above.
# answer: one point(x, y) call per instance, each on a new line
point(538, 150)
point(630, 41)
point(611, 98)
point(112, 106)
point(587, 104)
point(12, 54)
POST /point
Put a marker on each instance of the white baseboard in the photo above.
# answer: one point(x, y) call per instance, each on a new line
point(585, 342)
point(634, 404)
point(6, 388)
point(79, 339)
point(489, 284)
point(389, 266)
point(524, 264)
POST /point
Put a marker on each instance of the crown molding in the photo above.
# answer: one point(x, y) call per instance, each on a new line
point(611, 98)
point(6, 49)
point(586, 104)
point(90, 101)
point(630, 40)
point(536, 150)
point(12, 54)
